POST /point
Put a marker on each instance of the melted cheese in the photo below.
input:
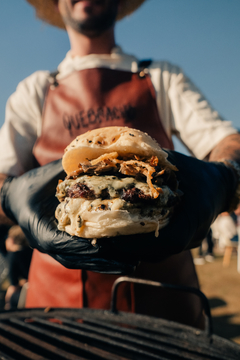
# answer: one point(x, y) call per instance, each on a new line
point(99, 183)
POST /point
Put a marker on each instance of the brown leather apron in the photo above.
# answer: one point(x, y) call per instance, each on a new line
point(82, 101)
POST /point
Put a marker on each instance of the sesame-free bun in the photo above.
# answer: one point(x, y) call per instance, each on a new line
point(122, 140)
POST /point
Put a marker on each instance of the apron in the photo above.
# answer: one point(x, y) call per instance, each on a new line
point(82, 101)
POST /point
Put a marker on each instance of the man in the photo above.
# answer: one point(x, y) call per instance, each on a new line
point(98, 85)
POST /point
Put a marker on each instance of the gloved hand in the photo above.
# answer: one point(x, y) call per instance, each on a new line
point(208, 188)
point(30, 201)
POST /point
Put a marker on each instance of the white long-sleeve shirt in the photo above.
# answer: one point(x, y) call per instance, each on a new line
point(183, 109)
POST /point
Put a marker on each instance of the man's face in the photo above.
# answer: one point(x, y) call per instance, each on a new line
point(89, 17)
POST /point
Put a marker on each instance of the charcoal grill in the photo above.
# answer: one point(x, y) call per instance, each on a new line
point(82, 334)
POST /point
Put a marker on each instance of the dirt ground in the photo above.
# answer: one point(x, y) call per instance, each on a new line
point(221, 285)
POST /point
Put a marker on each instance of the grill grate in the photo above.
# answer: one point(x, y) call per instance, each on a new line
point(83, 334)
point(96, 334)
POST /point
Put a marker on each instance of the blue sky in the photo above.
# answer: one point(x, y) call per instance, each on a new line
point(201, 36)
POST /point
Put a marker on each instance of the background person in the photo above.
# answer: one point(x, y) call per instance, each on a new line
point(3, 255)
point(207, 253)
point(96, 76)
point(19, 257)
point(225, 229)
point(237, 213)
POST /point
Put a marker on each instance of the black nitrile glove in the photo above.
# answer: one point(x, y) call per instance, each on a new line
point(208, 188)
point(30, 201)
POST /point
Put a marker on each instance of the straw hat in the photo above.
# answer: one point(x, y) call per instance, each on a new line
point(45, 10)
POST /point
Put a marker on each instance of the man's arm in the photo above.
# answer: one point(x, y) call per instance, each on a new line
point(228, 148)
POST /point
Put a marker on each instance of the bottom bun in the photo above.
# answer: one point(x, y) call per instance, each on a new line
point(105, 223)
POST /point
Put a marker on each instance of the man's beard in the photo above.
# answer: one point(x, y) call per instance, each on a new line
point(96, 25)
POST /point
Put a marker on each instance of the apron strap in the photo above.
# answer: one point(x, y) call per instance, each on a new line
point(143, 64)
point(53, 78)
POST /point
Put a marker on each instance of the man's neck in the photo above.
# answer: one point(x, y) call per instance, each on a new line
point(82, 45)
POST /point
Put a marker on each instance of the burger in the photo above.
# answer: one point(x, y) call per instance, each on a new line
point(118, 182)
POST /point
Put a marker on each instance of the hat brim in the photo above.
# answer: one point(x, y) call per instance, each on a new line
point(46, 10)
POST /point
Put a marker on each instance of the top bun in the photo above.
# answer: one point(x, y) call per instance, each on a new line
point(122, 140)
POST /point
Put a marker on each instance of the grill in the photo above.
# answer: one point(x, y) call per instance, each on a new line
point(82, 334)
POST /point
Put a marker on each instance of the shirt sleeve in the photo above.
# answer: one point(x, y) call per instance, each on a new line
point(186, 113)
point(22, 124)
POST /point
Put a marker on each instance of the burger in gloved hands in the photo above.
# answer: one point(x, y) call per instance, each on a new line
point(209, 188)
point(119, 182)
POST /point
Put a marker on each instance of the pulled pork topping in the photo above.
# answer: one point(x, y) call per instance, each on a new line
point(131, 166)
